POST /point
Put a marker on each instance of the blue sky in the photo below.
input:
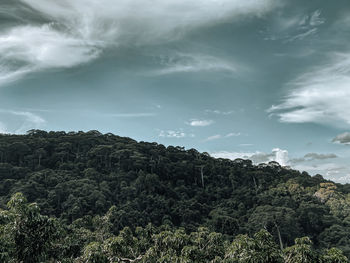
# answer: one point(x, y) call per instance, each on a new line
point(260, 79)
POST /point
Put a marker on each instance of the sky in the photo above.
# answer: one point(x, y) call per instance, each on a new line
point(267, 80)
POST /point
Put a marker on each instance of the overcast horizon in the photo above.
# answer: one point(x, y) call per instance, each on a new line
point(267, 80)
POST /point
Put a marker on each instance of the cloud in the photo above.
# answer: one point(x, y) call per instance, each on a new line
point(329, 165)
point(233, 134)
point(315, 19)
point(319, 96)
point(219, 112)
point(3, 128)
point(30, 117)
point(303, 35)
point(314, 157)
point(277, 155)
point(174, 134)
point(219, 136)
point(343, 138)
point(200, 123)
point(43, 32)
point(183, 63)
point(214, 137)
point(232, 155)
point(313, 163)
point(345, 179)
point(25, 121)
point(132, 115)
point(332, 171)
point(319, 156)
point(296, 27)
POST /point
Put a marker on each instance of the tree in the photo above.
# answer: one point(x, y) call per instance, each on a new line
point(259, 249)
point(301, 252)
point(333, 255)
point(93, 253)
point(278, 220)
point(28, 233)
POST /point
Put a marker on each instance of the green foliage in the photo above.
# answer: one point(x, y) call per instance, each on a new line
point(104, 190)
point(259, 249)
point(26, 233)
point(93, 253)
point(301, 252)
point(27, 236)
point(333, 255)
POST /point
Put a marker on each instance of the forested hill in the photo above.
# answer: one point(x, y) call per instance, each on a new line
point(77, 176)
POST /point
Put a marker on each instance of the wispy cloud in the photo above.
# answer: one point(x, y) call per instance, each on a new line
point(220, 112)
point(319, 96)
point(233, 134)
point(219, 136)
point(27, 120)
point(174, 134)
point(133, 115)
point(200, 123)
point(296, 27)
point(3, 128)
point(29, 116)
point(314, 157)
point(213, 137)
point(183, 63)
point(43, 32)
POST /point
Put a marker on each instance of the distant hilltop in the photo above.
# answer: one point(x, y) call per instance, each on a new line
point(78, 175)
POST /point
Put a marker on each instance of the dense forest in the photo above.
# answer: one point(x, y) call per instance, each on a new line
point(92, 197)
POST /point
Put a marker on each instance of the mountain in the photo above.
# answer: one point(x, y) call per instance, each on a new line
point(79, 179)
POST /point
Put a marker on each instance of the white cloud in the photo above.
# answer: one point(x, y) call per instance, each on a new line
point(27, 120)
point(30, 117)
point(232, 155)
point(65, 33)
point(219, 136)
point(303, 35)
point(345, 179)
point(296, 27)
point(332, 171)
point(233, 134)
point(315, 19)
point(173, 134)
point(132, 115)
point(281, 156)
point(277, 155)
point(214, 137)
point(180, 63)
point(219, 112)
point(3, 128)
point(313, 163)
point(319, 96)
point(200, 123)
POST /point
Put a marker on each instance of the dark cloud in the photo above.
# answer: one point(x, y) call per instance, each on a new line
point(317, 156)
point(343, 138)
point(314, 157)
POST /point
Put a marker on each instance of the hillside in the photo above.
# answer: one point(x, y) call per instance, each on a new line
point(78, 177)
